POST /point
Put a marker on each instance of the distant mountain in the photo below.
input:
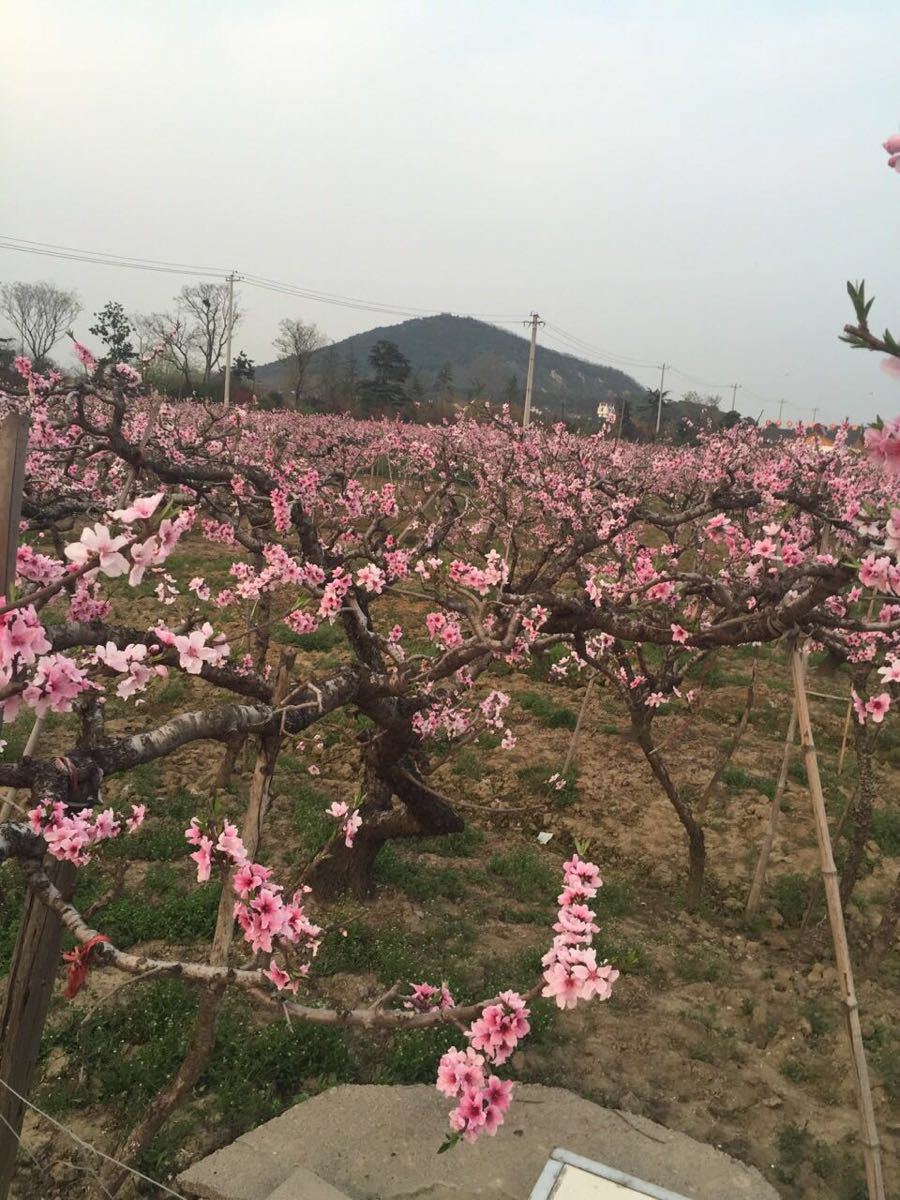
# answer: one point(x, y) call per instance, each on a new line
point(480, 359)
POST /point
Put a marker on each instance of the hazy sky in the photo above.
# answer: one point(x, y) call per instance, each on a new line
point(688, 182)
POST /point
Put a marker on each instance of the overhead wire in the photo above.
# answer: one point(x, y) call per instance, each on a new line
point(563, 337)
point(581, 343)
point(132, 262)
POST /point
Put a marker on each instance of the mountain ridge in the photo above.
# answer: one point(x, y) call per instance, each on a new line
point(483, 359)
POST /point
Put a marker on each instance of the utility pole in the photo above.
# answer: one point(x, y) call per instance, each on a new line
point(734, 389)
point(529, 383)
point(662, 381)
point(815, 410)
point(780, 410)
point(229, 318)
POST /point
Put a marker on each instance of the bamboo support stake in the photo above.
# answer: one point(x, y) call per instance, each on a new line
point(573, 741)
point(845, 738)
point(762, 864)
point(868, 1129)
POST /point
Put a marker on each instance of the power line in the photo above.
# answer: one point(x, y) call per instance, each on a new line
point(695, 379)
point(556, 333)
point(88, 257)
point(580, 343)
point(563, 337)
point(102, 258)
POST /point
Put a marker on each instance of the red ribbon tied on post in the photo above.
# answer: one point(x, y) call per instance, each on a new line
point(79, 964)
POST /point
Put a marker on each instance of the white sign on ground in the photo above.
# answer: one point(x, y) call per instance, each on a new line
point(570, 1177)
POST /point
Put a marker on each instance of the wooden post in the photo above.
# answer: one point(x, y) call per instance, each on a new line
point(32, 975)
point(868, 1129)
point(573, 742)
point(36, 956)
point(13, 445)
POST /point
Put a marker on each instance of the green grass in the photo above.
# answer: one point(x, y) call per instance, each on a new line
point(308, 815)
point(420, 881)
point(628, 957)
point(554, 716)
point(615, 899)
point(173, 691)
point(536, 779)
point(539, 667)
point(883, 1048)
point(145, 781)
point(257, 1071)
point(820, 1022)
point(886, 831)
point(393, 954)
point(790, 895)
point(326, 637)
point(453, 845)
point(527, 875)
point(698, 968)
point(12, 897)
point(412, 1057)
point(740, 780)
point(467, 764)
point(798, 1148)
point(127, 1050)
point(157, 841)
point(797, 772)
point(799, 1071)
point(178, 917)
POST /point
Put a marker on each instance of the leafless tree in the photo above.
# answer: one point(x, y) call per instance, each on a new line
point(40, 313)
point(173, 333)
point(194, 335)
point(298, 341)
point(205, 307)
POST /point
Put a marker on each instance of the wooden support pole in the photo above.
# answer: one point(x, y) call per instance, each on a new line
point(868, 1128)
point(576, 732)
point(845, 737)
point(32, 975)
point(35, 958)
point(13, 446)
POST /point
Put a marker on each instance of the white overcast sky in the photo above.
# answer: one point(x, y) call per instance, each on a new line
point(688, 182)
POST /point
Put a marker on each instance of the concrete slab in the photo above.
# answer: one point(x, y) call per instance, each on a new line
point(303, 1185)
point(380, 1143)
point(236, 1172)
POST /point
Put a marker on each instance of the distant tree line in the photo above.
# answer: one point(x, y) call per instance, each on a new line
point(187, 345)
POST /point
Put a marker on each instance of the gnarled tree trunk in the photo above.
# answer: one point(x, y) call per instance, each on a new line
point(861, 815)
point(338, 869)
point(694, 831)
